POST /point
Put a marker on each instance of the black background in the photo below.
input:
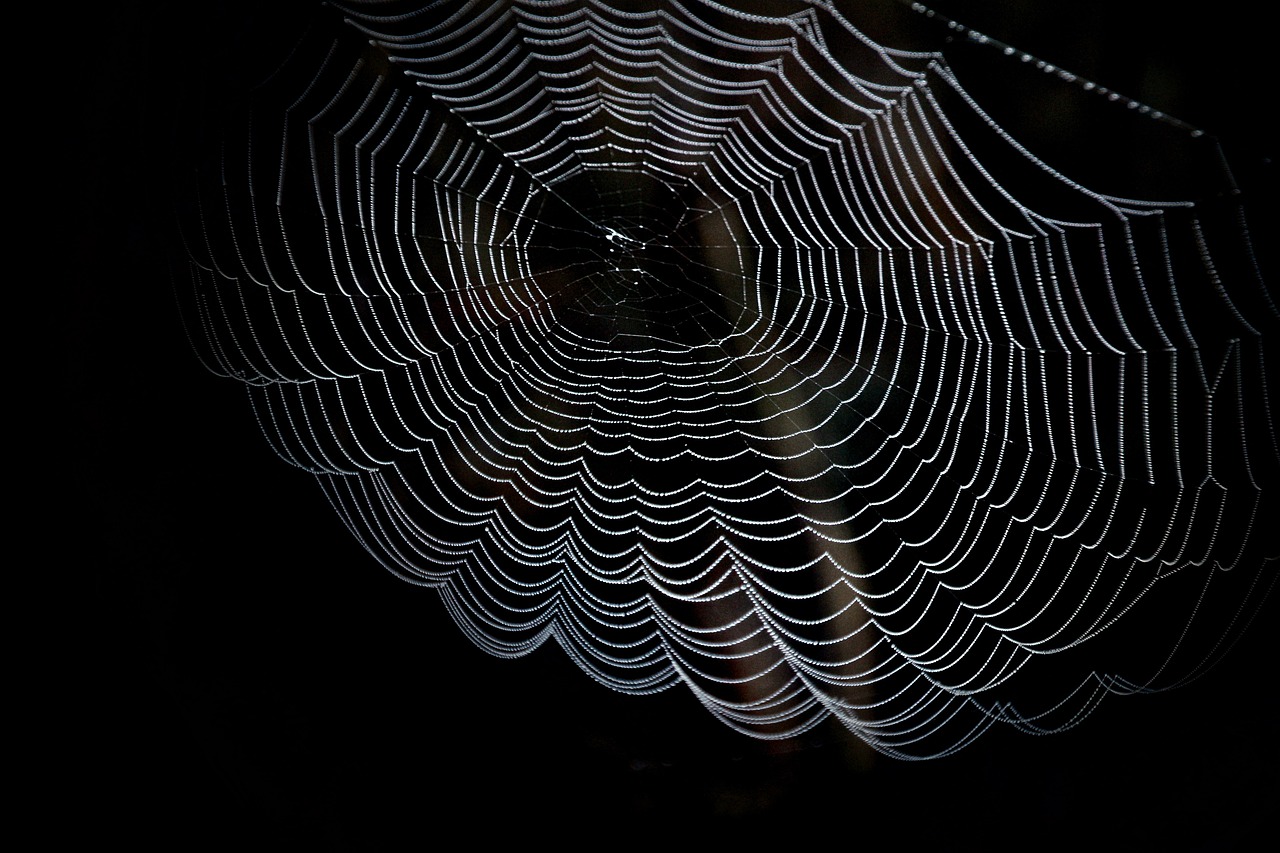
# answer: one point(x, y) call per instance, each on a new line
point(238, 669)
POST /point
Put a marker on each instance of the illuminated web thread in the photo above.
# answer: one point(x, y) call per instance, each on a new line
point(739, 351)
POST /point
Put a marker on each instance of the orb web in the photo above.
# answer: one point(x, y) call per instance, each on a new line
point(725, 347)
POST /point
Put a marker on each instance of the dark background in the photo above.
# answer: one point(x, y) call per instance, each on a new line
point(239, 670)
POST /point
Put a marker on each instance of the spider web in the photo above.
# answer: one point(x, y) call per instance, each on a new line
point(727, 347)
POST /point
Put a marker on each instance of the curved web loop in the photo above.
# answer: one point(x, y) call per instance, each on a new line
point(732, 349)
